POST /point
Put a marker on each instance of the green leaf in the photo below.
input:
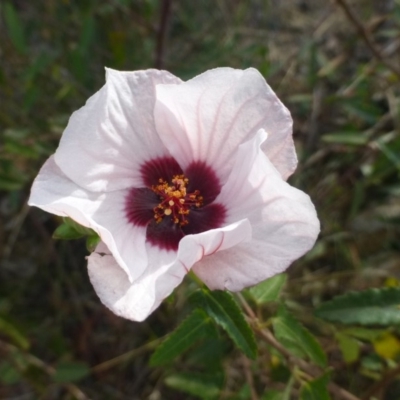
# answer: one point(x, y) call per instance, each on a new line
point(279, 395)
point(286, 395)
point(77, 227)
point(365, 111)
point(346, 138)
point(11, 181)
point(9, 375)
point(24, 150)
point(268, 290)
point(15, 28)
point(87, 34)
point(273, 395)
point(69, 229)
point(243, 394)
point(349, 347)
point(14, 334)
point(210, 352)
point(296, 338)
point(201, 385)
point(66, 232)
point(366, 334)
point(369, 307)
point(223, 309)
point(92, 242)
point(393, 156)
point(70, 372)
point(193, 328)
point(316, 389)
point(38, 65)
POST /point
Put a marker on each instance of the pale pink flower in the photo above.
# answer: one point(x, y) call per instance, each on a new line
point(177, 176)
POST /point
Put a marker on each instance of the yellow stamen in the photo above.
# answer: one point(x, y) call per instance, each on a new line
point(177, 199)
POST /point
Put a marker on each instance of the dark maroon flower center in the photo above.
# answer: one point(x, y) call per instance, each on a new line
point(174, 203)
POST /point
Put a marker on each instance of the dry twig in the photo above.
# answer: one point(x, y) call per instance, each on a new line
point(366, 36)
point(381, 384)
point(249, 377)
point(126, 356)
point(72, 389)
point(162, 33)
point(310, 369)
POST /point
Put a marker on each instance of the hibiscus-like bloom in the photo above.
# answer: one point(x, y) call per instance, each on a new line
point(177, 176)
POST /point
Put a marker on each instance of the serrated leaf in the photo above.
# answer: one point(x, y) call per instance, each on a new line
point(210, 352)
point(297, 339)
point(369, 307)
point(201, 385)
point(268, 290)
point(316, 389)
point(192, 329)
point(70, 372)
point(223, 309)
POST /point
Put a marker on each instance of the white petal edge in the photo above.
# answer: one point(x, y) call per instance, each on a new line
point(53, 192)
point(137, 300)
point(207, 117)
point(284, 223)
point(251, 263)
point(113, 134)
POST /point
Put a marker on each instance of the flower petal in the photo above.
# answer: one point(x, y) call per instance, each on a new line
point(109, 138)
point(206, 118)
point(105, 213)
point(166, 270)
point(132, 301)
point(284, 222)
point(248, 264)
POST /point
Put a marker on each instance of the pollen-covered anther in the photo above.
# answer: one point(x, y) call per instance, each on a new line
point(175, 202)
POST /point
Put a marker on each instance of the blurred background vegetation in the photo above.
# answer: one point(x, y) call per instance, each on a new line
point(336, 65)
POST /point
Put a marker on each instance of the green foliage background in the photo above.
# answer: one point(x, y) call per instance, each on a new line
point(56, 339)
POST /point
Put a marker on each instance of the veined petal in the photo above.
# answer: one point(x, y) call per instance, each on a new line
point(135, 300)
point(255, 187)
point(105, 213)
point(271, 251)
point(284, 222)
point(109, 138)
point(207, 117)
point(166, 270)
